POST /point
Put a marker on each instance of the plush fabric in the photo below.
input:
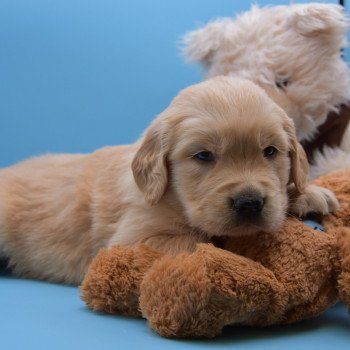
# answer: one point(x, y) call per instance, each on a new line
point(258, 280)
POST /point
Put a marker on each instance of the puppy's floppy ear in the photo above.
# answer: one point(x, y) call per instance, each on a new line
point(149, 165)
point(200, 45)
point(316, 19)
point(299, 170)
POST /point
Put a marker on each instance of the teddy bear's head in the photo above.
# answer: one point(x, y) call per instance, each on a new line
point(294, 52)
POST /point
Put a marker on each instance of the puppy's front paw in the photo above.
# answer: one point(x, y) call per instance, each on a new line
point(315, 199)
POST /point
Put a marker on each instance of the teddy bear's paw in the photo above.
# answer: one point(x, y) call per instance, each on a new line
point(113, 281)
point(174, 296)
point(196, 295)
point(249, 292)
point(315, 199)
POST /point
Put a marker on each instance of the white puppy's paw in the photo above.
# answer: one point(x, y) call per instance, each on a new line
point(315, 199)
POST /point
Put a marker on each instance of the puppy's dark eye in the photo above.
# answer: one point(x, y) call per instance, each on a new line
point(282, 84)
point(270, 152)
point(204, 156)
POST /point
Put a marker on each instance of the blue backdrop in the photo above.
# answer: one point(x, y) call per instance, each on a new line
point(76, 75)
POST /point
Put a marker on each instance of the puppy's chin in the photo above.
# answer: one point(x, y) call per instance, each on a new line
point(247, 229)
point(243, 229)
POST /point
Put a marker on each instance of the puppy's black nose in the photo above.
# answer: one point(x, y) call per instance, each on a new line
point(248, 204)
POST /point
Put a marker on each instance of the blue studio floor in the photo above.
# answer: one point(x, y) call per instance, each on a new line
point(38, 315)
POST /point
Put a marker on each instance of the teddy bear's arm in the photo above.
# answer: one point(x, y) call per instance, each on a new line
point(304, 260)
point(113, 280)
point(196, 295)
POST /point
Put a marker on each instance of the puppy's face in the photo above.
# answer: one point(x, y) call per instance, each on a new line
point(224, 149)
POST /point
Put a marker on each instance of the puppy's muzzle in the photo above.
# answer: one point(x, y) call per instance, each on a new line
point(248, 206)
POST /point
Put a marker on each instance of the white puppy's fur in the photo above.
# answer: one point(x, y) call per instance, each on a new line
point(294, 53)
point(182, 183)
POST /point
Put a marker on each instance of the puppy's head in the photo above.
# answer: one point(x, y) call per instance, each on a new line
point(293, 52)
point(226, 152)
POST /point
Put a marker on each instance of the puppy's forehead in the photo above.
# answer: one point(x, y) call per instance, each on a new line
point(228, 104)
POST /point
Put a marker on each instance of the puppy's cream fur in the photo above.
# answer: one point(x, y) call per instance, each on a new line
point(57, 211)
point(294, 53)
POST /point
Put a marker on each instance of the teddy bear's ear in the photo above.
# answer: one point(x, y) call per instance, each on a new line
point(316, 19)
point(199, 45)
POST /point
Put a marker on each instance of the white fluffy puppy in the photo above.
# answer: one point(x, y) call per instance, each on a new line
point(293, 52)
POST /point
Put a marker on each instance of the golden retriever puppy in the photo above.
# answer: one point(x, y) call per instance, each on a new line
point(219, 161)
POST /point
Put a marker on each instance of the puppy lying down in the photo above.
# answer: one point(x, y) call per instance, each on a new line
point(221, 160)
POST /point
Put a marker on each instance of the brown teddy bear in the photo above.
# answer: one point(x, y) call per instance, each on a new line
point(259, 280)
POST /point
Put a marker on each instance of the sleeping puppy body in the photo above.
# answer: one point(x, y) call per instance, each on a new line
point(219, 161)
